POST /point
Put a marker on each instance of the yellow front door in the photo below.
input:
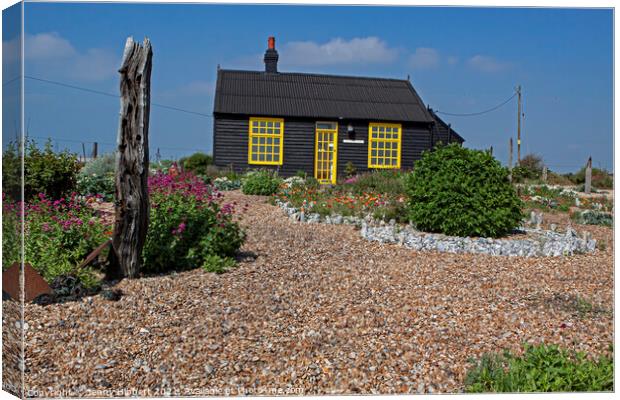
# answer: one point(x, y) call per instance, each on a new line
point(326, 152)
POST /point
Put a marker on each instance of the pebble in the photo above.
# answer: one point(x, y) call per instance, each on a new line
point(540, 243)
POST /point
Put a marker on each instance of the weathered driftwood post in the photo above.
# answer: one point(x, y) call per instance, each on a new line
point(588, 183)
point(132, 161)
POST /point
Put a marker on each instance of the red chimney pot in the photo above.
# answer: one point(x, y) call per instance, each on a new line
point(271, 42)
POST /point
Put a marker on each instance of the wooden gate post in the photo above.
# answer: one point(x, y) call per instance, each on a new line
point(588, 183)
point(132, 161)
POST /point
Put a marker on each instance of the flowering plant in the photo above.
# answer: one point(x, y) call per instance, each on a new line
point(188, 223)
point(58, 234)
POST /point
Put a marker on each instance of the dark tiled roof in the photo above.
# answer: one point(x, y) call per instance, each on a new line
point(443, 126)
point(317, 96)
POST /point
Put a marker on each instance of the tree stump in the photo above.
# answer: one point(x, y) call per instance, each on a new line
point(132, 161)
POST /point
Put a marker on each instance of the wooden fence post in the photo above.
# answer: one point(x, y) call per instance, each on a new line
point(132, 161)
point(544, 174)
point(95, 150)
point(588, 183)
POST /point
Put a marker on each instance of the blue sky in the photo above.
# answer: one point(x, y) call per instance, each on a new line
point(460, 60)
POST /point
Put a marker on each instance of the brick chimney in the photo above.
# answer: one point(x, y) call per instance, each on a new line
point(271, 56)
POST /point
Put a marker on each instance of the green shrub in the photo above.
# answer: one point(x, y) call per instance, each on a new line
point(225, 184)
point(540, 369)
point(197, 163)
point(11, 237)
point(530, 167)
point(383, 181)
point(187, 224)
point(97, 177)
point(59, 234)
point(93, 185)
point(262, 182)
point(463, 192)
point(11, 173)
point(218, 264)
point(593, 217)
point(45, 171)
point(601, 179)
point(104, 164)
point(349, 170)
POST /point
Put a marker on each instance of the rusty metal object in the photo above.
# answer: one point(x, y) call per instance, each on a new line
point(35, 285)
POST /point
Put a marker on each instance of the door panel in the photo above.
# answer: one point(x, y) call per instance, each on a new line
point(326, 152)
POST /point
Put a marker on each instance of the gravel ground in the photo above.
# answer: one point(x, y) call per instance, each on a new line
point(316, 309)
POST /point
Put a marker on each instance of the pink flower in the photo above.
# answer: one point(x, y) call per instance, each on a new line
point(46, 227)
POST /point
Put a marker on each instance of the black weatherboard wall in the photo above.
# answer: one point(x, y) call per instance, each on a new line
point(302, 99)
point(230, 147)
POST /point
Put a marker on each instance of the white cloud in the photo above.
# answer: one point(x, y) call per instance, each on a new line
point(46, 46)
point(424, 58)
point(338, 51)
point(49, 55)
point(486, 64)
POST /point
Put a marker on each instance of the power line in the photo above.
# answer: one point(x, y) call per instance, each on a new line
point(106, 143)
point(93, 91)
point(480, 112)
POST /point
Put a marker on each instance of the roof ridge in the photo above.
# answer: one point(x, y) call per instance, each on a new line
point(321, 98)
point(316, 74)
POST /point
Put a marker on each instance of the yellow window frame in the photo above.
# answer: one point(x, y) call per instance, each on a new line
point(323, 154)
point(385, 140)
point(263, 133)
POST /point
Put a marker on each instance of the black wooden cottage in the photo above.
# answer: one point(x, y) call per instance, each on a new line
point(318, 123)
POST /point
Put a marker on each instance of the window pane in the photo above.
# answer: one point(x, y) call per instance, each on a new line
point(267, 157)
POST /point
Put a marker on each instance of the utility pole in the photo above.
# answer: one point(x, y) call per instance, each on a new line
point(510, 162)
point(519, 125)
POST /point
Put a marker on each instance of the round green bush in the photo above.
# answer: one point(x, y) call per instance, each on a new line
point(197, 163)
point(264, 183)
point(45, 171)
point(462, 192)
